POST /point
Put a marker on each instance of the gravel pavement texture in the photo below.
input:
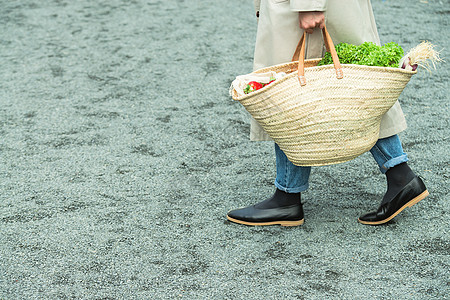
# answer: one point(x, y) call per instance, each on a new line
point(121, 153)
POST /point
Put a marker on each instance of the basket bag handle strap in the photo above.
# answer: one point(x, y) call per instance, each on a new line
point(300, 53)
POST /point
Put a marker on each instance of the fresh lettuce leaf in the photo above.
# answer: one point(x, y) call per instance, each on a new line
point(367, 54)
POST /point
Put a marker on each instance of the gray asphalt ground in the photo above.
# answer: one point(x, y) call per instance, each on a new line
point(121, 153)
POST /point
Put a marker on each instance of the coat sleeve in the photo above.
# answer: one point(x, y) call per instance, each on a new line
point(311, 5)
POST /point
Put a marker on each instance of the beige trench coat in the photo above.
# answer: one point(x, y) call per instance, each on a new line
point(278, 33)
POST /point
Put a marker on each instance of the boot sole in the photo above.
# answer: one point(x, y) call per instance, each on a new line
point(408, 204)
point(282, 223)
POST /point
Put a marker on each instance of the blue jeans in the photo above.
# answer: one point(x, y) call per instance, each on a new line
point(387, 152)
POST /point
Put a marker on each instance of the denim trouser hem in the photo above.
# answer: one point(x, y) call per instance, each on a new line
point(292, 190)
point(393, 162)
point(385, 159)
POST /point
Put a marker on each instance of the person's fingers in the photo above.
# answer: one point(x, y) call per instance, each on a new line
point(310, 20)
point(309, 24)
point(322, 22)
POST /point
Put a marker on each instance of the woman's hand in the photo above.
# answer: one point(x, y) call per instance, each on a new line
point(308, 20)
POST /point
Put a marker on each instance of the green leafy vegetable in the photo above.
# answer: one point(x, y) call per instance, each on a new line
point(367, 54)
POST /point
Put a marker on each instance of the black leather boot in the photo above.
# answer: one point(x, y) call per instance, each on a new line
point(281, 209)
point(404, 190)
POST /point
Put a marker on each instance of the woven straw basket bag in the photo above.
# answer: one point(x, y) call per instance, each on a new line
point(322, 115)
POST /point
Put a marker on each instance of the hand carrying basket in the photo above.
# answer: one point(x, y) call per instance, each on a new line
point(322, 115)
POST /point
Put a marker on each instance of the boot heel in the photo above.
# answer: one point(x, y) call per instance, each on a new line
point(292, 223)
point(418, 198)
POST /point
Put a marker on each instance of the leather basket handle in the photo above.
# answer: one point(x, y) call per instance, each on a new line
point(300, 54)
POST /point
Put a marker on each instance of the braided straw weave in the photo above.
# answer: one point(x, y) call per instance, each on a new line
point(325, 120)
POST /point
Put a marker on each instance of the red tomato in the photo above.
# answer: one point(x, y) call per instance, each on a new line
point(252, 86)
